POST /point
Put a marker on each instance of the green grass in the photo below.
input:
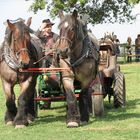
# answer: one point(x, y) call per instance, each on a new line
point(116, 124)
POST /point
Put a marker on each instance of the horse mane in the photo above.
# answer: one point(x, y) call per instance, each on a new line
point(82, 29)
point(8, 36)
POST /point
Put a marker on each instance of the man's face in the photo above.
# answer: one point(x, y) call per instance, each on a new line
point(48, 29)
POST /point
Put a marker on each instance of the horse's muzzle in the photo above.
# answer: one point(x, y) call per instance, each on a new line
point(24, 65)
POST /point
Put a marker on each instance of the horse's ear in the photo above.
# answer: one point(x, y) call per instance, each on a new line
point(60, 13)
point(75, 14)
point(11, 25)
point(29, 21)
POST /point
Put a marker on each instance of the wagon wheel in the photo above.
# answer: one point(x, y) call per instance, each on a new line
point(41, 94)
point(118, 67)
point(46, 104)
point(119, 90)
point(98, 101)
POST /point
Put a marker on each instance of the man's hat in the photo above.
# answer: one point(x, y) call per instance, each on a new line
point(47, 21)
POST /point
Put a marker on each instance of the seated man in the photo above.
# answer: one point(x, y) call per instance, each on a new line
point(48, 39)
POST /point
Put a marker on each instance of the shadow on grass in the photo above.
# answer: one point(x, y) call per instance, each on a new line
point(54, 114)
point(128, 73)
point(111, 113)
point(115, 114)
point(49, 119)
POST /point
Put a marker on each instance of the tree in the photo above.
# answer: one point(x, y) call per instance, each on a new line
point(99, 11)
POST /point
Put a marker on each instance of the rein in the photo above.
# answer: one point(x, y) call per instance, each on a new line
point(50, 52)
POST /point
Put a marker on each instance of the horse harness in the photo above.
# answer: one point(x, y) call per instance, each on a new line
point(89, 51)
point(10, 59)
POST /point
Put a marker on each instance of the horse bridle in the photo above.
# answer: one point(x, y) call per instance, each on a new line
point(65, 38)
point(23, 49)
point(71, 43)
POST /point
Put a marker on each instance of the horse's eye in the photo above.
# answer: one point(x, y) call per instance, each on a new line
point(27, 37)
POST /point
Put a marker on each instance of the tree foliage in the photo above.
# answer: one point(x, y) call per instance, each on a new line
point(98, 11)
point(134, 1)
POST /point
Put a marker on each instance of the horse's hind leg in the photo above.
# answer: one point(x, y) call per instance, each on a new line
point(10, 103)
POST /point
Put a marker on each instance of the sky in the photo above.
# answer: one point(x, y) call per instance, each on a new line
point(13, 9)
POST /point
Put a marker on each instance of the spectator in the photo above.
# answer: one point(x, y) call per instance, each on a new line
point(137, 47)
point(129, 49)
point(117, 47)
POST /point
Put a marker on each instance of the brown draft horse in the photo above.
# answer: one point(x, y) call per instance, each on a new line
point(17, 52)
point(74, 51)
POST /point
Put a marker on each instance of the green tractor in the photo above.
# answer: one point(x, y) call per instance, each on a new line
point(50, 89)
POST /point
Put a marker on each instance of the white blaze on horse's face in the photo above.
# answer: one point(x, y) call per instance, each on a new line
point(66, 24)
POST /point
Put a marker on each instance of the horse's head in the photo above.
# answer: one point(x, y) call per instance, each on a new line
point(71, 31)
point(18, 40)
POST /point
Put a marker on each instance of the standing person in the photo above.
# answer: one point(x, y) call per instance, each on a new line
point(117, 43)
point(137, 47)
point(129, 49)
point(48, 39)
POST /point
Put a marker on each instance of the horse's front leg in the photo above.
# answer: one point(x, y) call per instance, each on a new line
point(84, 106)
point(24, 102)
point(73, 117)
point(10, 103)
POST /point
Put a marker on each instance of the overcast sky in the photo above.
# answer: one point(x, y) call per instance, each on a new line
point(13, 9)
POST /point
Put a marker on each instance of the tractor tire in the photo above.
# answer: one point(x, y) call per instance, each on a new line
point(119, 90)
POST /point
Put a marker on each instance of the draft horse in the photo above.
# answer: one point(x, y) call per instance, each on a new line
point(76, 52)
point(18, 52)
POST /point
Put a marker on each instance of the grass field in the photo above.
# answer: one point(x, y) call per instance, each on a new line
point(117, 124)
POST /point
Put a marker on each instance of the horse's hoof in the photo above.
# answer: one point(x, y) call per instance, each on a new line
point(83, 123)
point(19, 126)
point(72, 124)
point(9, 123)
